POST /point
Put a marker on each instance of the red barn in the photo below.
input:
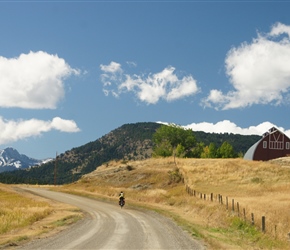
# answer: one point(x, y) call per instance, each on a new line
point(274, 144)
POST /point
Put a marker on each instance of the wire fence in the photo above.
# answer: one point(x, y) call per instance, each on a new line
point(278, 230)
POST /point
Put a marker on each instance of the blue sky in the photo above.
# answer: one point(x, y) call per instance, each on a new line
point(72, 71)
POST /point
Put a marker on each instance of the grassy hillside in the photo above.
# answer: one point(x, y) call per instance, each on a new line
point(261, 188)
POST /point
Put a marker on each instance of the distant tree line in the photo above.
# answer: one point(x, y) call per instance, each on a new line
point(173, 140)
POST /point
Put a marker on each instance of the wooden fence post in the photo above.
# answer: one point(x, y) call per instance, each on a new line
point(233, 205)
point(211, 196)
point(227, 203)
point(263, 224)
point(253, 219)
point(238, 209)
point(244, 212)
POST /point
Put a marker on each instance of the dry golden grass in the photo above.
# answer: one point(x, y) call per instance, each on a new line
point(261, 188)
point(17, 211)
point(24, 216)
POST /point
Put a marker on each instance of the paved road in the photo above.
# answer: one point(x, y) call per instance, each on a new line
point(107, 226)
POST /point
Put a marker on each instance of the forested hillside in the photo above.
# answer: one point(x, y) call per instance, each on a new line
point(128, 142)
point(240, 143)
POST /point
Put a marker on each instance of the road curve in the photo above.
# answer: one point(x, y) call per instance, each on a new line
point(107, 226)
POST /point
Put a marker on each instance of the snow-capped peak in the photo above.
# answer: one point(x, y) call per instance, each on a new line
point(10, 160)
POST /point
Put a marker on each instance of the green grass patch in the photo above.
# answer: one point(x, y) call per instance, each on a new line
point(249, 233)
point(66, 221)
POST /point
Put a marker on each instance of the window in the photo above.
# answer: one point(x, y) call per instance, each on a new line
point(287, 145)
point(275, 145)
point(264, 144)
point(276, 141)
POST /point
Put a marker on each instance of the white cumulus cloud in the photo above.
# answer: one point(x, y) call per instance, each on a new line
point(33, 80)
point(14, 130)
point(259, 72)
point(149, 88)
point(113, 67)
point(227, 126)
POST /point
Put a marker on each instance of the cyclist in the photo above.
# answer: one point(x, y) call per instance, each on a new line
point(121, 196)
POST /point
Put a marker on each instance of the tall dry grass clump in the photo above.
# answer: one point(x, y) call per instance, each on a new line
point(17, 211)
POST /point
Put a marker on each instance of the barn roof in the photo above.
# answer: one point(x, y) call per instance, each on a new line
point(249, 155)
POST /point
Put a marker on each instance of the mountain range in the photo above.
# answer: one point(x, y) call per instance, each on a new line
point(11, 159)
point(128, 142)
